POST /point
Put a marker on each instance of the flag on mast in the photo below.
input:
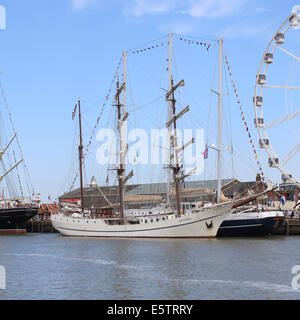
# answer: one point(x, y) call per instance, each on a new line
point(205, 153)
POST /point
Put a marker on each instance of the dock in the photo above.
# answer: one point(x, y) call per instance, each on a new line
point(40, 227)
point(293, 227)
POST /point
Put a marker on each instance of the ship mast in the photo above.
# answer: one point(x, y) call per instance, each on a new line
point(220, 120)
point(176, 167)
point(80, 149)
point(120, 170)
point(170, 97)
point(122, 116)
point(169, 118)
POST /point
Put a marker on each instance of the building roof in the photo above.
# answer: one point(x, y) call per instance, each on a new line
point(152, 188)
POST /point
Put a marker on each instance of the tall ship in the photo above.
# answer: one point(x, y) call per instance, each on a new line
point(175, 218)
point(13, 219)
point(18, 204)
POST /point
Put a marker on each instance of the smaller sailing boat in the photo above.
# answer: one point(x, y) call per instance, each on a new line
point(179, 220)
point(253, 221)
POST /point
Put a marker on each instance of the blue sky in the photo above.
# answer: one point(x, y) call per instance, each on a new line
point(56, 50)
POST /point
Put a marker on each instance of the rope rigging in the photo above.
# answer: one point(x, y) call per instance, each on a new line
point(19, 179)
point(156, 44)
point(106, 99)
point(26, 171)
point(244, 120)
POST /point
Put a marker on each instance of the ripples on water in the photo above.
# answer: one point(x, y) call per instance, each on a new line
point(56, 267)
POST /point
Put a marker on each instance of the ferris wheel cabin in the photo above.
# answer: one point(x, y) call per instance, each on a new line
point(273, 162)
point(259, 122)
point(287, 178)
point(279, 38)
point(262, 79)
point(269, 58)
point(264, 142)
point(258, 101)
point(294, 21)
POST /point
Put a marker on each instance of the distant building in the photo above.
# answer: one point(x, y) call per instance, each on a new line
point(138, 195)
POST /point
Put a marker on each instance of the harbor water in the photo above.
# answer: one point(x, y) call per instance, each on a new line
point(49, 266)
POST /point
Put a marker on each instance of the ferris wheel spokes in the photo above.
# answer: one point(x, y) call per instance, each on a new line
point(291, 154)
point(282, 119)
point(274, 86)
point(287, 52)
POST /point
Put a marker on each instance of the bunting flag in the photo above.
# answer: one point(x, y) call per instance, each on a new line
point(106, 99)
point(160, 44)
point(244, 120)
point(195, 42)
point(74, 112)
point(149, 47)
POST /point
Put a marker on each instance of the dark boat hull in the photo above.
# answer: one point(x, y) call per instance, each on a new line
point(13, 220)
point(253, 227)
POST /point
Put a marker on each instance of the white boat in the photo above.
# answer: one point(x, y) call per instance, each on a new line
point(195, 223)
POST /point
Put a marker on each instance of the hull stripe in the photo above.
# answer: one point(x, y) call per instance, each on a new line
point(243, 226)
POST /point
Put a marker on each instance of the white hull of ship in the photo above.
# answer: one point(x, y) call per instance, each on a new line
point(202, 224)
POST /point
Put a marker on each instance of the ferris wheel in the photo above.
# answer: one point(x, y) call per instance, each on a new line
point(277, 100)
